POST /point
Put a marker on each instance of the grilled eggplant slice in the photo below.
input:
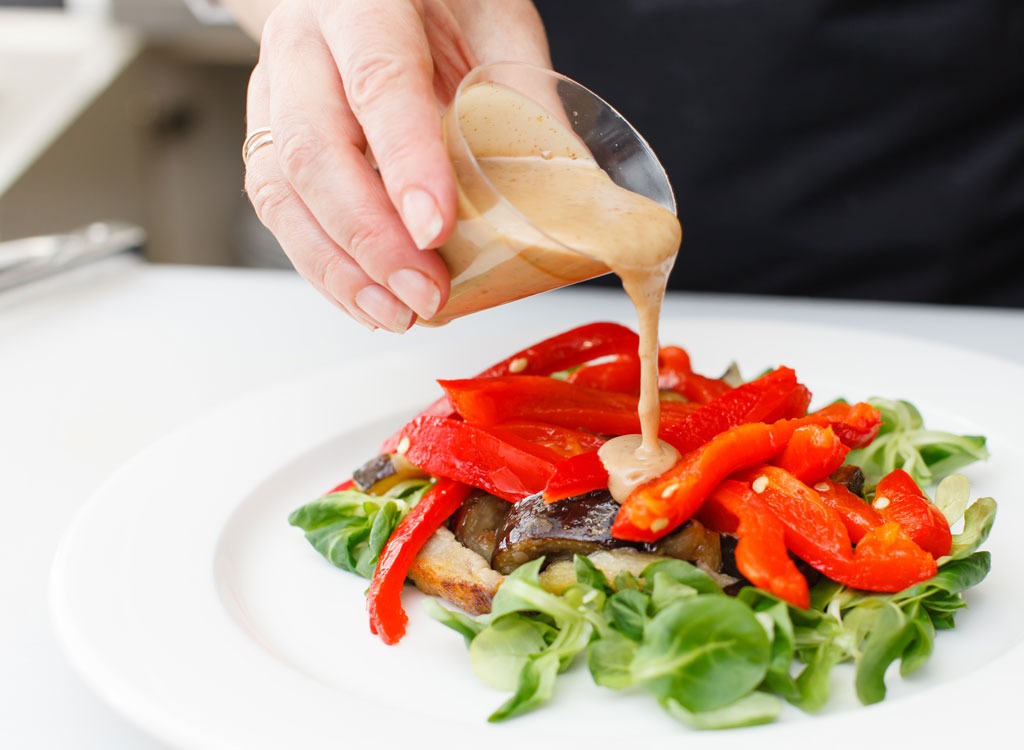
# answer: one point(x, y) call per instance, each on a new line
point(577, 525)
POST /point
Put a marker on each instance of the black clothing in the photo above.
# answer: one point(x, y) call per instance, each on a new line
point(843, 148)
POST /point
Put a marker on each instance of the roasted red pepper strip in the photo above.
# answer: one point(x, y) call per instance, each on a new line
point(556, 441)
point(658, 507)
point(855, 424)
point(620, 375)
point(858, 516)
point(812, 453)
point(899, 499)
point(666, 502)
point(472, 455)
point(384, 597)
point(814, 532)
point(757, 401)
point(574, 347)
point(761, 554)
point(575, 476)
point(750, 402)
point(490, 401)
point(884, 560)
point(676, 374)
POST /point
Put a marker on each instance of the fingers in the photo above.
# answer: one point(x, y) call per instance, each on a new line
point(383, 56)
point(315, 255)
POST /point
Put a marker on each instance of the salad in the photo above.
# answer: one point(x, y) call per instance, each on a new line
point(785, 540)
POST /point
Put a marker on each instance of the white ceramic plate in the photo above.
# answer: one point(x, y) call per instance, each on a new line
point(190, 605)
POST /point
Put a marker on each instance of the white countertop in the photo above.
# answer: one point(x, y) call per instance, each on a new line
point(100, 362)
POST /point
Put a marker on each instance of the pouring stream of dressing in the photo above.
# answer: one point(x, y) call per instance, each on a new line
point(570, 214)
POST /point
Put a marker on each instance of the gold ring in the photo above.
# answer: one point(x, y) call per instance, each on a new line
point(256, 140)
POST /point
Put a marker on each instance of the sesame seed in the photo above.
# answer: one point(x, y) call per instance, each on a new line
point(669, 491)
point(403, 445)
point(881, 502)
point(760, 484)
point(659, 524)
point(518, 364)
point(822, 486)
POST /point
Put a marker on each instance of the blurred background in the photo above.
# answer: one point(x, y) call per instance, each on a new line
point(130, 110)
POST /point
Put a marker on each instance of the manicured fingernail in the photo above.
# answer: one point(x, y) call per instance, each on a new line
point(379, 305)
point(422, 217)
point(417, 291)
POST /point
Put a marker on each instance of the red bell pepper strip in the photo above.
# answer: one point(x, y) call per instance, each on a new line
point(491, 401)
point(757, 401)
point(657, 507)
point(761, 555)
point(384, 597)
point(750, 402)
point(574, 347)
point(858, 516)
point(576, 475)
point(855, 424)
point(885, 559)
point(898, 498)
point(676, 374)
point(554, 441)
point(814, 532)
point(620, 375)
point(812, 453)
point(660, 506)
point(472, 455)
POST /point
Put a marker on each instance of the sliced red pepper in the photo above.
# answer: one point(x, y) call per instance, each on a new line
point(858, 516)
point(575, 476)
point(757, 401)
point(886, 560)
point(761, 554)
point(750, 402)
point(812, 453)
point(473, 455)
point(855, 424)
point(384, 597)
point(899, 499)
point(660, 506)
point(490, 401)
point(556, 441)
point(676, 374)
point(814, 532)
point(666, 502)
point(574, 347)
point(620, 375)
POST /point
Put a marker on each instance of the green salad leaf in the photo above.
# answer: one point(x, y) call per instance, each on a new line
point(349, 528)
point(713, 661)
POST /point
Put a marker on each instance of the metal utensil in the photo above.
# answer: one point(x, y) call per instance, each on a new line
point(31, 258)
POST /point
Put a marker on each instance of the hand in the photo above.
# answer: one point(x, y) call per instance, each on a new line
point(339, 79)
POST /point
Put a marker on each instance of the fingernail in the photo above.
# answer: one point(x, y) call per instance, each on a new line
point(422, 217)
point(379, 305)
point(416, 290)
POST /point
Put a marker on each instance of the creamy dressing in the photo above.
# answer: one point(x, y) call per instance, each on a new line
point(570, 222)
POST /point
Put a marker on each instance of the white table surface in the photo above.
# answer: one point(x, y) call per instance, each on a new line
point(99, 362)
